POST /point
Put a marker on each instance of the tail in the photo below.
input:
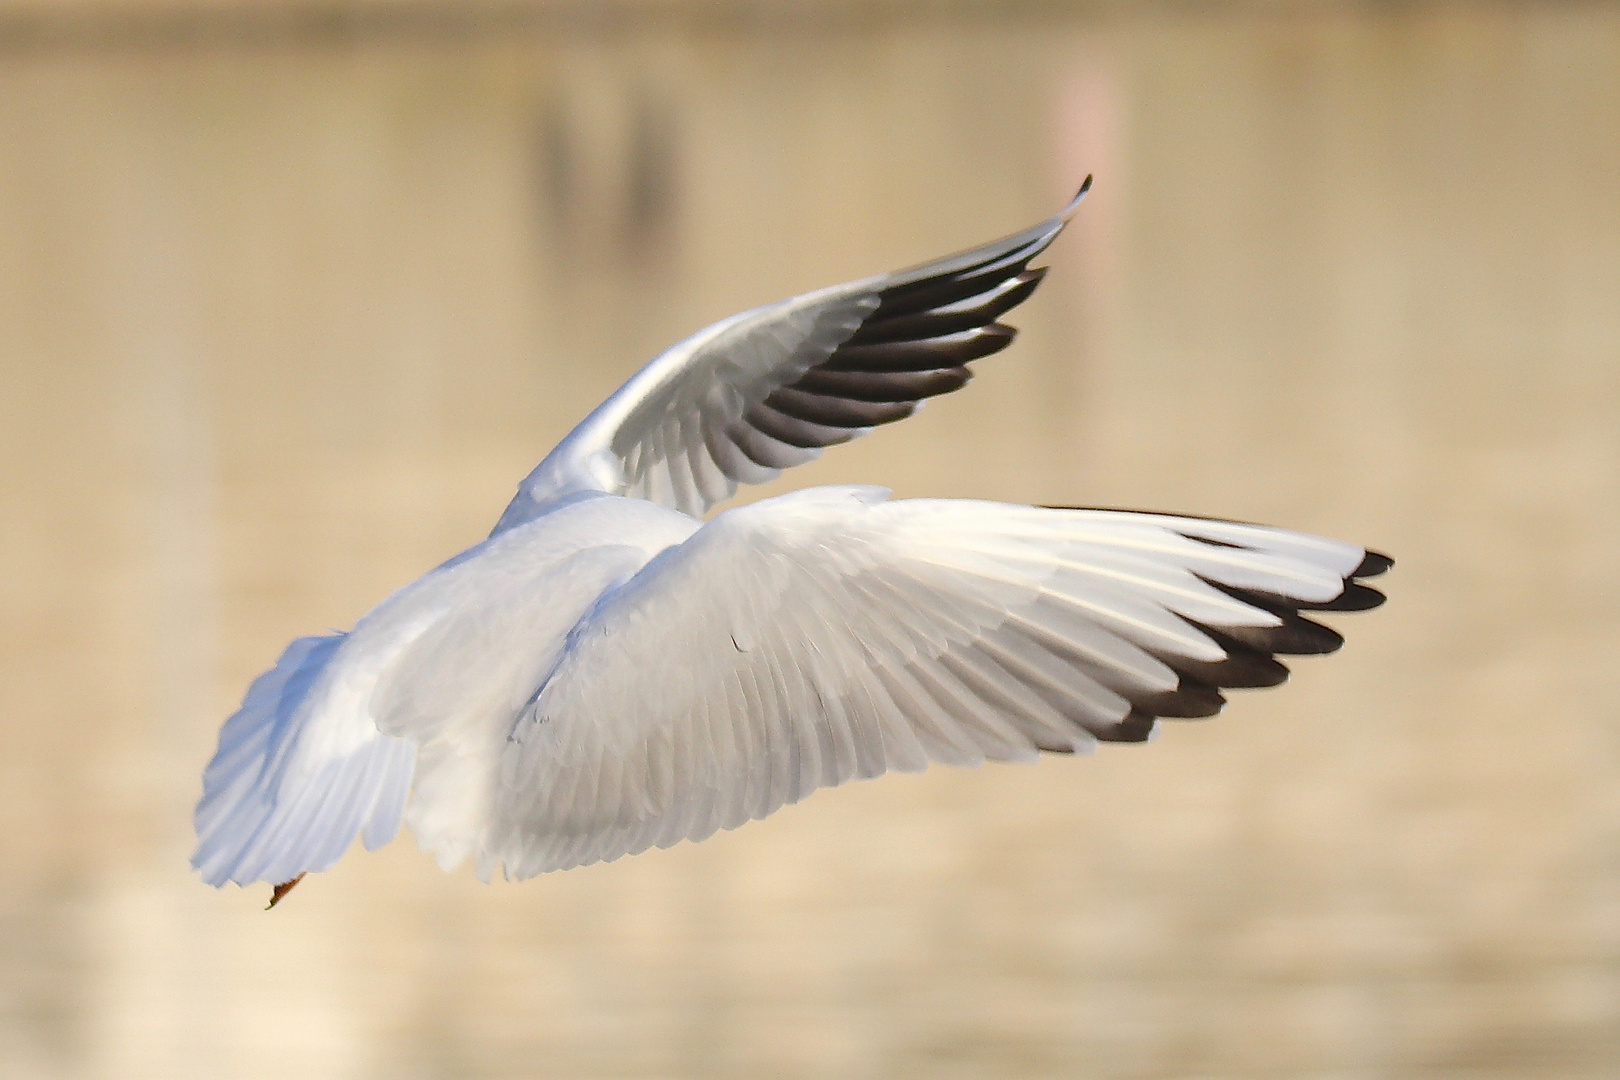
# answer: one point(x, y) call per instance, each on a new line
point(297, 776)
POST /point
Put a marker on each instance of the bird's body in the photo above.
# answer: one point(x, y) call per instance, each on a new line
point(608, 672)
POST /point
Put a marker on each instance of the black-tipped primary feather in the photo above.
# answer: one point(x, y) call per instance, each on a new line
point(981, 287)
point(804, 434)
point(883, 385)
point(945, 316)
point(1356, 597)
point(926, 355)
point(835, 411)
point(1295, 637)
point(1036, 237)
point(765, 450)
point(1245, 667)
point(1373, 565)
point(1136, 727)
point(1192, 699)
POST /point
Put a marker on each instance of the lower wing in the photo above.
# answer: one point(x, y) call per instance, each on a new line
point(830, 634)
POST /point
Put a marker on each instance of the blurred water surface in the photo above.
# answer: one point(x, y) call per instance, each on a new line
point(282, 322)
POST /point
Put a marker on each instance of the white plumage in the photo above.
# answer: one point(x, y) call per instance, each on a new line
point(608, 673)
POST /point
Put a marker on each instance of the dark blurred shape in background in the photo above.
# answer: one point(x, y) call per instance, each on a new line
point(292, 295)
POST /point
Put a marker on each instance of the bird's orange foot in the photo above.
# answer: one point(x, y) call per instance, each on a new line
point(282, 890)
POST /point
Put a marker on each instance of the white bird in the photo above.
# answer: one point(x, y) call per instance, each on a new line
point(608, 672)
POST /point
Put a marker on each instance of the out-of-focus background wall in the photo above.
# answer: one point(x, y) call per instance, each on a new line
point(291, 295)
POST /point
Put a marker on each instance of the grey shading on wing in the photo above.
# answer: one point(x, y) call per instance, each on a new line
point(770, 388)
point(804, 641)
point(292, 781)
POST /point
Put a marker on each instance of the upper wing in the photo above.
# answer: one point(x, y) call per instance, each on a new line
point(767, 389)
point(828, 634)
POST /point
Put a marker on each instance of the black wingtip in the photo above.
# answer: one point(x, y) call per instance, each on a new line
point(1372, 565)
point(1356, 597)
point(1074, 203)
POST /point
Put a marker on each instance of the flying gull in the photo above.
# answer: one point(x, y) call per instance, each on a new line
point(609, 672)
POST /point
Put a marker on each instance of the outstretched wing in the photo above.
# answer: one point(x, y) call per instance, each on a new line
point(767, 389)
point(829, 634)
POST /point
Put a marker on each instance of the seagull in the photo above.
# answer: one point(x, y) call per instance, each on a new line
point(610, 672)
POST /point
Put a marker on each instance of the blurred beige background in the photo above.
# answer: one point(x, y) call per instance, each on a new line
point(291, 297)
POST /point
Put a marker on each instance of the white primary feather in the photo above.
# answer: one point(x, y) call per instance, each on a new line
point(606, 673)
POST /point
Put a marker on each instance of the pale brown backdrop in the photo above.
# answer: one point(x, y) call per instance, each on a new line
point(290, 297)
